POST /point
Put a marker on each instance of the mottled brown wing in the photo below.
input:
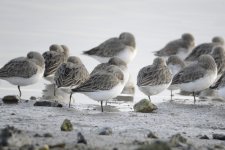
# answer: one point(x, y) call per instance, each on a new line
point(52, 61)
point(151, 76)
point(219, 83)
point(18, 67)
point(99, 68)
point(98, 82)
point(171, 48)
point(109, 48)
point(201, 49)
point(189, 74)
point(70, 75)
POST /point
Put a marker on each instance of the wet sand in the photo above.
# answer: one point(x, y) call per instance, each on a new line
point(129, 128)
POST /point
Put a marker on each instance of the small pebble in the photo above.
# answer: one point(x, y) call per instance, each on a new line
point(66, 125)
point(47, 104)
point(47, 135)
point(10, 99)
point(60, 146)
point(45, 147)
point(105, 131)
point(177, 140)
point(33, 98)
point(156, 145)
point(37, 135)
point(80, 138)
point(219, 147)
point(144, 106)
point(205, 137)
point(137, 142)
point(219, 136)
point(28, 147)
point(152, 135)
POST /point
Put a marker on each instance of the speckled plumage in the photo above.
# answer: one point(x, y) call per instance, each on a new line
point(185, 44)
point(115, 47)
point(108, 48)
point(72, 73)
point(24, 67)
point(113, 61)
point(155, 74)
point(219, 83)
point(98, 82)
point(189, 74)
point(103, 86)
point(19, 67)
point(23, 71)
point(175, 60)
point(218, 54)
point(112, 46)
point(175, 64)
point(205, 48)
point(196, 71)
point(54, 58)
point(197, 76)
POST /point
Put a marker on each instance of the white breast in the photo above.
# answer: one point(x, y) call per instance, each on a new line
point(173, 87)
point(198, 85)
point(153, 90)
point(26, 81)
point(182, 53)
point(101, 59)
point(221, 92)
point(127, 55)
point(174, 69)
point(50, 78)
point(106, 94)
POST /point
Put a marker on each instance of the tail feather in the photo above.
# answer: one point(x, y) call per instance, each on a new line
point(213, 87)
point(159, 52)
point(74, 90)
point(86, 52)
point(45, 74)
point(156, 53)
point(90, 52)
point(217, 83)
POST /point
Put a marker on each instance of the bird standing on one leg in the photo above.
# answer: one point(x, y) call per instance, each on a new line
point(103, 86)
point(23, 71)
point(71, 74)
point(197, 77)
point(175, 64)
point(154, 78)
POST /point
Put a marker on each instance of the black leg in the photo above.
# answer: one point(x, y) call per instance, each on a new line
point(149, 98)
point(19, 90)
point(194, 97)
point(54, 90)
point(70, 98)
point(171, 95)
point(101, 106)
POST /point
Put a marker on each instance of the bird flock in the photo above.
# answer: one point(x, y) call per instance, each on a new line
point(178, 65)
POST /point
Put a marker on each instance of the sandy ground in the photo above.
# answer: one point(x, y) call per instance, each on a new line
point(179, 116)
